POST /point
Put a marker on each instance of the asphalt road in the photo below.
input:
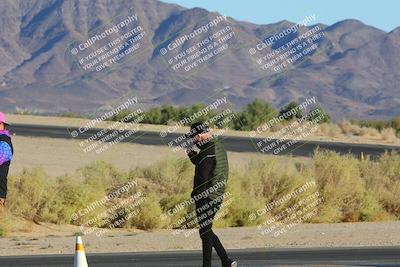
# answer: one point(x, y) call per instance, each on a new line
point(378, 256)
point(235, 144)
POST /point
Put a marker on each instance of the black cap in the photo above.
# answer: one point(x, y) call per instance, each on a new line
point(197, 128)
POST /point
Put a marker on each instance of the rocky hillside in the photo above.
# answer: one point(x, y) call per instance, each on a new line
point(353, 71)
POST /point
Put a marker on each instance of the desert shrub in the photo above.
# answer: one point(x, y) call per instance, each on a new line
point(70, 196)
point(389, 182)
point(265, 179)
point(29, 194)
point(173, 175)
point(101, 175)
point(352, 190)
point(334, 130)
point(35, 196)
point(262, 182)
point(172, 211)
point(388, 134)
point(6, 223)
point(323, 129)
point(339, 181)
point(149, 215)
point(246, 199)
point(71, 115)
point(72, 193)
point(390, 164)
point(350, 128)
point(10, 223)
point(377, 124)
point(345, 126)
point(371, 132)
point(238, 212)
point(372, 210)
point(395, 123)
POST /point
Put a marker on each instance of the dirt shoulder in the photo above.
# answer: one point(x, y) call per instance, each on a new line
point(77, 122)
point(62, 156)
point(58, 239)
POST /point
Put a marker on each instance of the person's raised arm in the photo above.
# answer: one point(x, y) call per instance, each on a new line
point(192, 155)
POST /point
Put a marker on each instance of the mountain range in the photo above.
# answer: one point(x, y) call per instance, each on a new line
point(353, 73)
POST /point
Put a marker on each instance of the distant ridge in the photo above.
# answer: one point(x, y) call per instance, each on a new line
point(354, 73)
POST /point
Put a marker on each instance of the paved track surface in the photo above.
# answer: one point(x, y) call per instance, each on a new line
point(234, 144)
point(373, 256)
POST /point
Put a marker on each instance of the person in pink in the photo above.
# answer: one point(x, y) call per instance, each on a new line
point(6, 155)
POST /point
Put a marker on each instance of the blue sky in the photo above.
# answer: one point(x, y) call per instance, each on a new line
point(383, 14)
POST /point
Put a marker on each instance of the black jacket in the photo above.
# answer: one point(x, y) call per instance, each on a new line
point(211, 169)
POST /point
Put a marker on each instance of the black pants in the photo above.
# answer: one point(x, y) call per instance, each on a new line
point(3, 179)
point(206, 210)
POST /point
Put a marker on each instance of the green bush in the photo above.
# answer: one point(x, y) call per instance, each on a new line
point(387, 186)
point(30, 191)
point(174, 176)
point(339, 180)
point(149, 216)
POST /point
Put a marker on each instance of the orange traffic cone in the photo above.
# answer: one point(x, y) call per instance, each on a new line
point(80, 256)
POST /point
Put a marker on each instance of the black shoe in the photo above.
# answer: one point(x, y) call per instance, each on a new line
point(230, 263)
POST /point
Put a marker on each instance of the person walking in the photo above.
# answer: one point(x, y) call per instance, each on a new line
point(6, 155)
point(211, 175)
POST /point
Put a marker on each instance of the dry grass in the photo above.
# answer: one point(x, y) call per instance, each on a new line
point(388, 134)
point(349, 131)
point(352, 190)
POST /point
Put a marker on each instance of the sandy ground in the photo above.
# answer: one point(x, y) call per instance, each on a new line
point(53, 239)
point(60, 156)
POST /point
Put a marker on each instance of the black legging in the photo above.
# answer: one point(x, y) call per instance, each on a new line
point(206, 210)
point(3, 179)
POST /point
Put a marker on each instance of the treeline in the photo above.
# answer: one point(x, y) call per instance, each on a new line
point(253, 115)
